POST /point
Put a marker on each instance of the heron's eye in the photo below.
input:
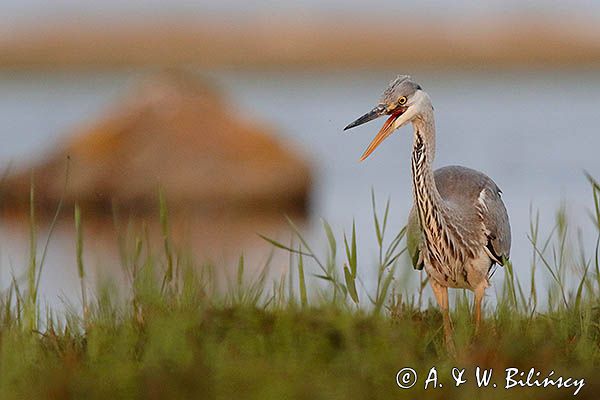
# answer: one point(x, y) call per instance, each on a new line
point(402, 100)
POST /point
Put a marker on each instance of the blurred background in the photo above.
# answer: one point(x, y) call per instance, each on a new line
point(236, 108)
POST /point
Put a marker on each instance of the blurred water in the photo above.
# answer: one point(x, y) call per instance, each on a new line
point(533, 132)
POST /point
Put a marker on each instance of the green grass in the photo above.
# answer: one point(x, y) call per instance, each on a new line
point(179, 331)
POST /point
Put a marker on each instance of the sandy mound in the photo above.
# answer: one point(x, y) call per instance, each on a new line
point(174, 132)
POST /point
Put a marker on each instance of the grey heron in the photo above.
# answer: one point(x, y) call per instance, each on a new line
point(458, 227)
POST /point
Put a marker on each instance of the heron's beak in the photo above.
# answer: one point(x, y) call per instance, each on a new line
point(388, 128)
point(371, 115)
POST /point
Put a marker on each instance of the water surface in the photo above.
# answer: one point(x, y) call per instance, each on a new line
point(533, 132)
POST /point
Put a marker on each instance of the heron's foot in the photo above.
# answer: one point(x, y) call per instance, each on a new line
point(441, 295)
point(477, 325)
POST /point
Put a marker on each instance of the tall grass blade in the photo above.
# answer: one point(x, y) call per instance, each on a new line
point(350, 284)
point(283, 246)
point(351, 254)
point(53, 224)
point(579, 293)
point(301, 280)
point(31, 303)
point(306, 245)
point(552, 273)
point(240, 272)
point(164, 224)
point(79, 256)
point(382, 293)
point(330, 239)
point(378, 230)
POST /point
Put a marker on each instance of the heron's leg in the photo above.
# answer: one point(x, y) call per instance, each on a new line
point(479, 292)
point(441, 295)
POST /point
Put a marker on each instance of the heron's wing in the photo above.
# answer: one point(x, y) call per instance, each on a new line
point(414, 238)
point(495, 221)
point(477, 199)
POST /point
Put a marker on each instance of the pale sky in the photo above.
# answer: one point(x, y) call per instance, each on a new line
point(16, 11)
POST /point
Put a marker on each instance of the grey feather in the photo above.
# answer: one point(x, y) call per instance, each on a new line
point(460, 188)
point(403, 85)
point(414, 239)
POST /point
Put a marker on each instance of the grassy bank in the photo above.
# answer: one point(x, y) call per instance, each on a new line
point(181, 330)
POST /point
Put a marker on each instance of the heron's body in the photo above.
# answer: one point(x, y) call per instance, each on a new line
point(458, 227)
point(476, 245)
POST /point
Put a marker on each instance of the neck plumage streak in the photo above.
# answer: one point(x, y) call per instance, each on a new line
point(431, 219)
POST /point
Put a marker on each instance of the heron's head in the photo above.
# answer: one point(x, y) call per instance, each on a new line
point(403, 101)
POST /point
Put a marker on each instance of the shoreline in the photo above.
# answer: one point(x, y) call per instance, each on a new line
point(303, 43)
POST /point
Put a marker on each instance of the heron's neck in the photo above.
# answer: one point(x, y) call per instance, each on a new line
point(423, 154)
point(427, 198)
